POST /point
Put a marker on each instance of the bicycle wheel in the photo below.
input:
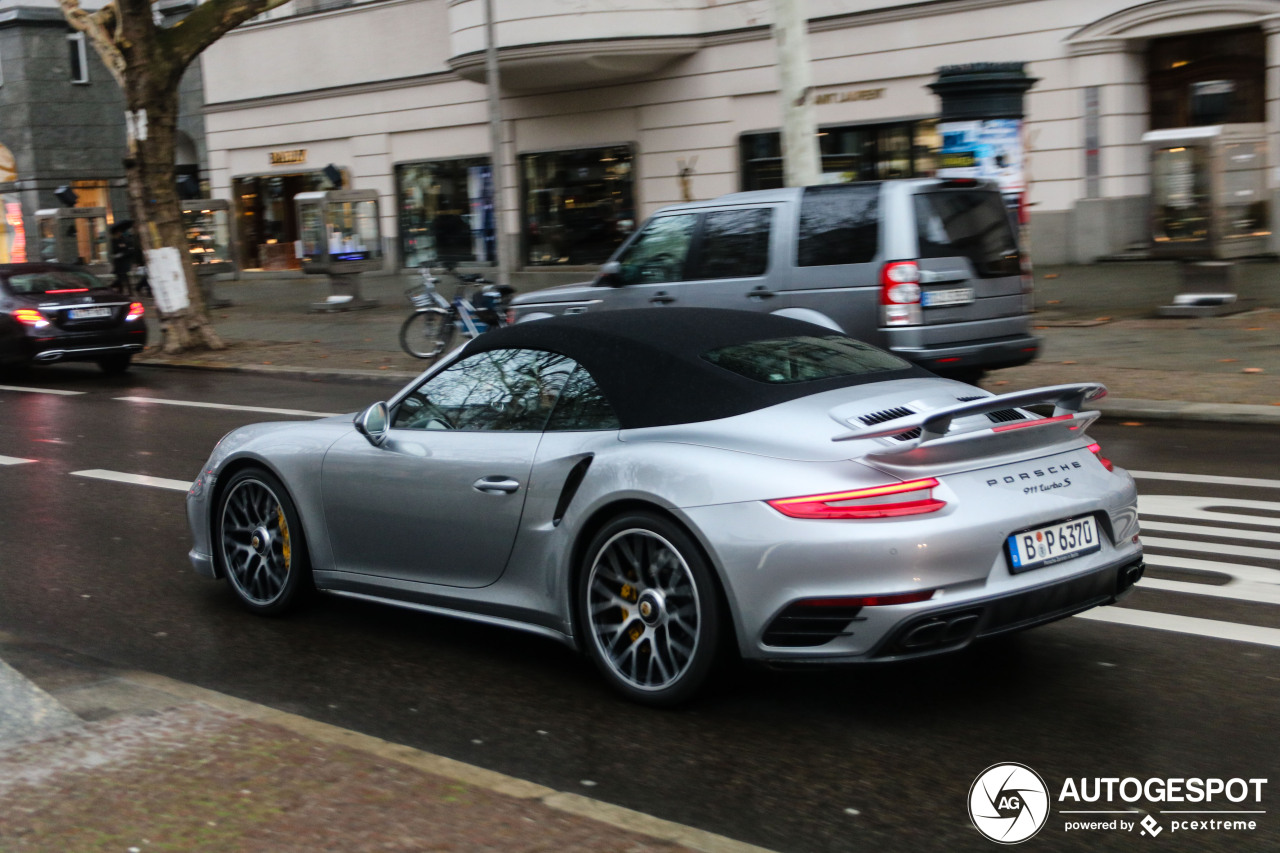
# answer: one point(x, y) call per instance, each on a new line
point(426, 334)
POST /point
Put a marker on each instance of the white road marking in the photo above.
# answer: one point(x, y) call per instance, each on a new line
point(230, 407)
point(13, 460)
point(1207, 478)
point(57, 391)
point(1212, 548)
point(134, 479)
point(1206, 530)
point(1259, 593)
point(1184, 625)
point(1239, 571)
point(1188, 508)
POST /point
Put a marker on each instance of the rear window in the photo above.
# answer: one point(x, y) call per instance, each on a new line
point(803, 358)
point(53, 281)
point(971, 224)
point(839, 224)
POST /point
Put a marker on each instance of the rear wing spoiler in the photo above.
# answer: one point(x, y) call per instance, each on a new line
point(1067, 401)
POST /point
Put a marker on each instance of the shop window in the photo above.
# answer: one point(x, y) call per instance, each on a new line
point(1207, 78)
point(266, 220)
point(79, 58)
point(577, 206)
point(859, 153)
point(446, 212)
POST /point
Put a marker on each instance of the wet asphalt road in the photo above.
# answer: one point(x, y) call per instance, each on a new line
point(874, 758)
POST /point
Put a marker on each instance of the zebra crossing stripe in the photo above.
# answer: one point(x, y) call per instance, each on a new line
point(1192, 625)
point(1207, 478)
point(13, 460)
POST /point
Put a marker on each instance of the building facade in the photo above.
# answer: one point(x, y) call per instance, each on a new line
point(62, 121)
point(614, 108)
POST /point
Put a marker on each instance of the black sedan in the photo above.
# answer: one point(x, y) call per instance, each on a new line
point(54, 312)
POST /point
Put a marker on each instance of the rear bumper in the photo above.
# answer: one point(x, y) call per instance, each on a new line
point(84, 353)
point(950, 629)
point(987, 354)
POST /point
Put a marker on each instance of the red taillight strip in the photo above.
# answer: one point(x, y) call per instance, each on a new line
point(70, 290)
point(819, 506)
point(1096, 450)
point(869, 600)
point(1035, 423)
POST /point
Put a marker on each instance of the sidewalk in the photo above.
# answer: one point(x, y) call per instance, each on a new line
point(148, 763)
point(1097, 323)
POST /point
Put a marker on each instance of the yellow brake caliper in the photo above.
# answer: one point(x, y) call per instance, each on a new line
point(284, 535)
point(630, 593)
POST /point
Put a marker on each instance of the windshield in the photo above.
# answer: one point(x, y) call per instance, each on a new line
point(803, 358)
point(54, 281)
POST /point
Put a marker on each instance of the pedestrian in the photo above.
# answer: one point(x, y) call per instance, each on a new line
point(124, 255)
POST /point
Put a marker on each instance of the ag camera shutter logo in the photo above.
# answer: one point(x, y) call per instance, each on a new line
point(1009, 803)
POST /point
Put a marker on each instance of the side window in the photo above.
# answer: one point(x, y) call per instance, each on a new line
point(839, 225)
point(659, 253)
point(507, 389)
point(582, 406)
point(735, 244)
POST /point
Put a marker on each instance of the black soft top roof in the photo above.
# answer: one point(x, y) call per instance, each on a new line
point(648, 361)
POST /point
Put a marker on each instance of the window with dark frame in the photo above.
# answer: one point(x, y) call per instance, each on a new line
point(578, 206)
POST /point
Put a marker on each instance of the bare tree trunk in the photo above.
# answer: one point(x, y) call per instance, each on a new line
point(152, 99)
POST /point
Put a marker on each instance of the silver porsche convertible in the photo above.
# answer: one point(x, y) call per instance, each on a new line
point(663, 487)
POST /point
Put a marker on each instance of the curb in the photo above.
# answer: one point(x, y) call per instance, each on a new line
point(1111, 408)
point(619, 817)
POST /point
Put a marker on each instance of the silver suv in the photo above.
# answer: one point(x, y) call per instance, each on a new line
point(927, 268)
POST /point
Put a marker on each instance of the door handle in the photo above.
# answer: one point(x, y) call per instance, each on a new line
point(495, 485)
point(760, 292)
point(661, 298)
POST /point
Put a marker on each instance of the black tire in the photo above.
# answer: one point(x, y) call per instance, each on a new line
point(427, 334)
point(259, 543)
point(648, 608)
point(113, 365)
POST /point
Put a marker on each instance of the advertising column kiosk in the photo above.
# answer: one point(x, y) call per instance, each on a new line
point(341, 237)
point(75, 235)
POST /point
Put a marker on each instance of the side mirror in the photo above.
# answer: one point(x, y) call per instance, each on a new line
point(610, 275)
point(372, 423)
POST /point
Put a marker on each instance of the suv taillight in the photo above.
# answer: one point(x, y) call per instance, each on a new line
point(900, 293)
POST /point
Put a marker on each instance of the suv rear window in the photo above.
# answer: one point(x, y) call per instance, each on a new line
point(803, 358)
point(839, 224)
point(973, 224)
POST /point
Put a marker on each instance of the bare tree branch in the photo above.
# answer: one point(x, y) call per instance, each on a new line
point(104, 30)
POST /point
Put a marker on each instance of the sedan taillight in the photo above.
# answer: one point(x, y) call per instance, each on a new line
point(913, 497)
point(135, 311)
point(30, 317)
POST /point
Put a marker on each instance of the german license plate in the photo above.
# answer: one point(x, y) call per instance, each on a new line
point(954, 296)
point(88, 313)
point(1053, 543)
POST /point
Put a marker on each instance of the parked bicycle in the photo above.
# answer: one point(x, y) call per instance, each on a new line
point(430, 329)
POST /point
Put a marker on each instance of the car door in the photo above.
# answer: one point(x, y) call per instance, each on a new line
point(720, 258)
point(440, 501)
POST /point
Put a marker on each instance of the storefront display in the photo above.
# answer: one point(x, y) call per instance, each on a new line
point(446, 212)
point(857, 153)
point(266, 220)
point(577, 206)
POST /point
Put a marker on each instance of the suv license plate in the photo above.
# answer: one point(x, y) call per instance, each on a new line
point(88, 313)
point(1053, 543)
point(955, 296)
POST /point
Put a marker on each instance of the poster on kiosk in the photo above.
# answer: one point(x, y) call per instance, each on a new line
point(987, 150)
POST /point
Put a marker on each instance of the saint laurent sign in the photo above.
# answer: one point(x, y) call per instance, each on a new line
point(851, 95)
